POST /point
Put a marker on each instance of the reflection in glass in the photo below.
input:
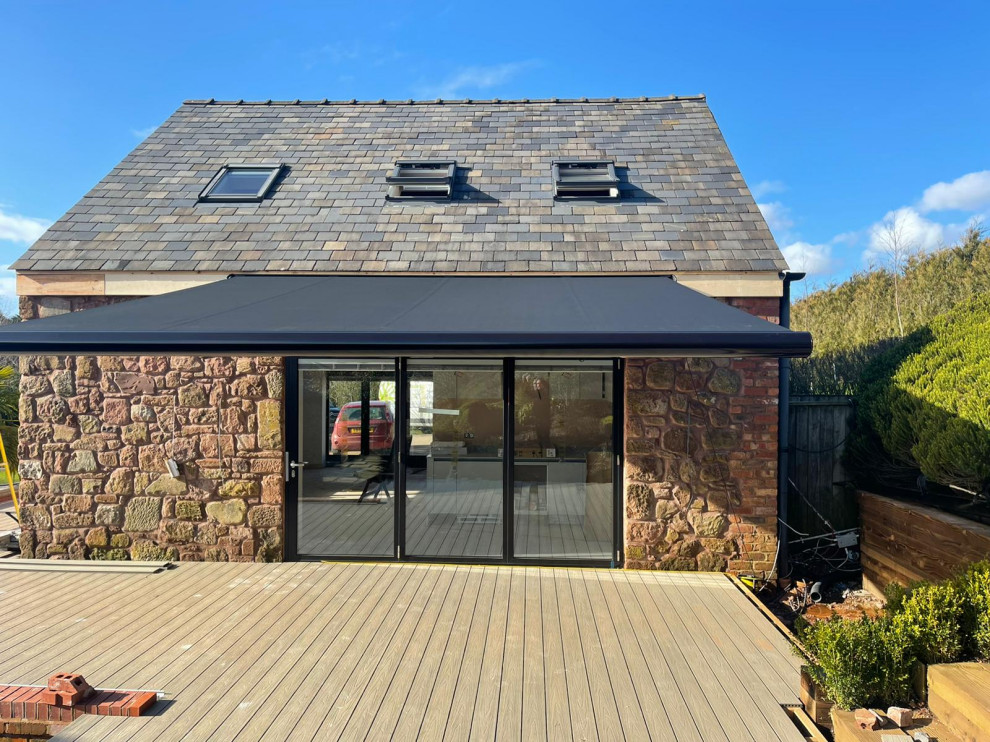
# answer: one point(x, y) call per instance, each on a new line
point(347, 428)
point(562, 485)
point(454, 463)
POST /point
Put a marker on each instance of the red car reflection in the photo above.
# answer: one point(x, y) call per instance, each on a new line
point(346, 437)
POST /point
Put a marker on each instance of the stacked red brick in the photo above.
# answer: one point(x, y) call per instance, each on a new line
point(21, 702)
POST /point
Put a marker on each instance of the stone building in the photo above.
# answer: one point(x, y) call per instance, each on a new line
point(495, 331)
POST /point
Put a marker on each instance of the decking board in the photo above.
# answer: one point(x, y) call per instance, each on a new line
point(392, 651)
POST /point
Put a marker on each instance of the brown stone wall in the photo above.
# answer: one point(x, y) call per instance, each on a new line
point(94, 438)
point(701, 459)
point(701, 464)
point(95, 435)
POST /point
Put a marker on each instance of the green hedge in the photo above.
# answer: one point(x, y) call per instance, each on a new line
point(9, 398)
point(869, 662)
point(860, 663)
point(924, 402)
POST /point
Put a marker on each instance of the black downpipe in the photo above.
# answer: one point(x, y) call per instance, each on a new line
point(783, 427)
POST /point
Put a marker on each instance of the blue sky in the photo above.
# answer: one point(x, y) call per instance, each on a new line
point(840, 115)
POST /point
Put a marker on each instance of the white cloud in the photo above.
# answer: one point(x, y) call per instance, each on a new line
point(916, 230)
point(809, 258)
point(913, 232)
point(8, 291)
point(22, 229)
point(473, 78)
point(341, 51)
point(967, 193)
point(767, 187)
point(350, 53)
point(778, 217)
point(847, 238)
point(144, 133)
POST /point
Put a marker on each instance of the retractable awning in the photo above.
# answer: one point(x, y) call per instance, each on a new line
point(410, 315)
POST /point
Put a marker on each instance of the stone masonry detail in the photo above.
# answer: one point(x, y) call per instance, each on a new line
point(701, 464)
point(94, 438)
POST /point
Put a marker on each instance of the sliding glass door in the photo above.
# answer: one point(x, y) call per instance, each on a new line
point(454, 466)
point(562, 471)
point(346, 462)
point(485, 460)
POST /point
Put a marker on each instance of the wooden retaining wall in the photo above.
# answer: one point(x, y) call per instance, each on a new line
point(819, 426)
point(903, 542)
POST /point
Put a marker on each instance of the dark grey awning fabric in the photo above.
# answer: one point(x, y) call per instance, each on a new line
point(410, 315)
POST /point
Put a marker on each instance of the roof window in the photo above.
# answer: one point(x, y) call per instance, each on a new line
point(241, 183)
point(587, 179)
point(425, 180)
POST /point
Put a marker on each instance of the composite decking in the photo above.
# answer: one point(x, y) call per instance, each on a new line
point(356, 651)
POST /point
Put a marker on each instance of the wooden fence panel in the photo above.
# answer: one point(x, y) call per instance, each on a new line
point(905, 542)
point(819, 426)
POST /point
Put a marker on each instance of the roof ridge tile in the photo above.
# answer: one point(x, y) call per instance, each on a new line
point(439, 101)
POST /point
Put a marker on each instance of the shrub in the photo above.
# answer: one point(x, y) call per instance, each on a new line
point(861, 663)
point(869, 662)
point(9, 398)
point(895, 594)
point(869, 456)
point(925, 400)
point(975, 586)
point(931, 616)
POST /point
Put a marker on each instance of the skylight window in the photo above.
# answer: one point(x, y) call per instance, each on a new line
point(241, 183)
point(588, 179)
point(426, 180)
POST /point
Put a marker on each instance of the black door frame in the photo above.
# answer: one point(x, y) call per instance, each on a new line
point(291, 490)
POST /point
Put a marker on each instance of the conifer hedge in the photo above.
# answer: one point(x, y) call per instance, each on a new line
point(927, 401)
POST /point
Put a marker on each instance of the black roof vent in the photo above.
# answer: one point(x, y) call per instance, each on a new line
point(421, 180)
point(584, 179)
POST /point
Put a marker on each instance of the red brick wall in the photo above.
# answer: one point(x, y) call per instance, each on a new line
point(761, 306)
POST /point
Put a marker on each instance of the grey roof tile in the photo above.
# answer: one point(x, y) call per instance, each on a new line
point(685, 205)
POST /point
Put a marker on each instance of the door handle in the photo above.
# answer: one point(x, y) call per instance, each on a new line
point(293, 465)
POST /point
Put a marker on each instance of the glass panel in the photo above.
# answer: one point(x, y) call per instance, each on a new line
point(454, 465)
point(347, 429)
point(584, 173)
point(563, 460)
point(438, 170)
point(241, 182)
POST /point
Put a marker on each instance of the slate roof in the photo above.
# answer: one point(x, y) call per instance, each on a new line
point(684, 206)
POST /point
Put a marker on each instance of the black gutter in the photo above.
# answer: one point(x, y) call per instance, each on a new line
point(783, 426)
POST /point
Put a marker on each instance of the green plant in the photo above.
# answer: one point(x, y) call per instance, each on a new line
point(895, 594)
point(937, 399)
point(9, 401)
point(975, 586)
point(921, 405)
point(859, 313)
point(870, 661)
point(932, 615)
point(861, 663)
